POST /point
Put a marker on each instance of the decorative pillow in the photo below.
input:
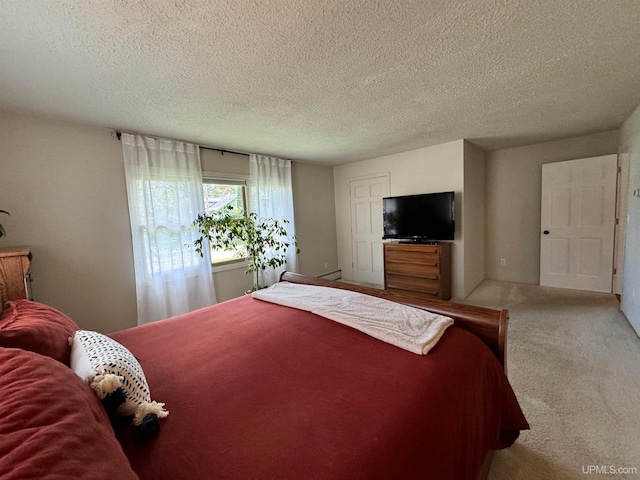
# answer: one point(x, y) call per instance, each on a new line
point(117, 378)
point(36, 327)
point(52, 425)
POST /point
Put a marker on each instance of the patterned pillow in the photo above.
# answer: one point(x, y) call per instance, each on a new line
point(117, 378)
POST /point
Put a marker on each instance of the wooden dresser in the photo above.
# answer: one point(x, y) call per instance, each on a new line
point(422, 271)
point(14, 273)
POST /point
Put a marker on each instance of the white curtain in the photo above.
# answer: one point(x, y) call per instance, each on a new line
point(271, 196)
point(164, 189)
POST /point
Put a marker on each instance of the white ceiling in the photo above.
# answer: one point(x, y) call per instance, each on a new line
point(326, 80)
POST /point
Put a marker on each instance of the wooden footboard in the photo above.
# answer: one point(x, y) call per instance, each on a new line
point(487, 324)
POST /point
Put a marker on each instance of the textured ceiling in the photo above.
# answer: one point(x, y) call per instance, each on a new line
point(331, 81)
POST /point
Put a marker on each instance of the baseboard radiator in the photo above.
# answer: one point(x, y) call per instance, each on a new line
point(333, 275)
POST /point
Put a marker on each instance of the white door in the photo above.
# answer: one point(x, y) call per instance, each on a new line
point(366, 228)
point(577, 223)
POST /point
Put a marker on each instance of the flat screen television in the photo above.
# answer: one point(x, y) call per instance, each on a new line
point(427, 217)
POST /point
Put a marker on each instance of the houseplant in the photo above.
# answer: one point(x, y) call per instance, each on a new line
point(2, 230)
point(263, 241)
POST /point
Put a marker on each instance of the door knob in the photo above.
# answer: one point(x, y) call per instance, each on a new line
point(546, 232)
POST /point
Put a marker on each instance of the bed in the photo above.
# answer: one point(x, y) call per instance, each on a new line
point(257, 390)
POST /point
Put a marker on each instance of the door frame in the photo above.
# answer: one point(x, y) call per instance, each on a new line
point(622, 189)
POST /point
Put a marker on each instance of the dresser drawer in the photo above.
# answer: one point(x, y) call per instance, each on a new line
point(405, 255)
point(413, 284)
point(427, 270)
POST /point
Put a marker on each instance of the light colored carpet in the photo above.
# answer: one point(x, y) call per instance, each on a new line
point(574, 363)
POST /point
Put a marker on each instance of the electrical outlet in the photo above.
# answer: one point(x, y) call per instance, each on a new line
point(326, 265)
point(503, 262)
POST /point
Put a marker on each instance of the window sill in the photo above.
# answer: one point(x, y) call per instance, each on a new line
point(229, 266)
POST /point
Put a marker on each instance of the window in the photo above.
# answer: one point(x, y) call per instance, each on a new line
point(164, 207)
point(218, 193)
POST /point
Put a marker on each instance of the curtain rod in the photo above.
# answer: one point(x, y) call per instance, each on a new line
point(222, 151)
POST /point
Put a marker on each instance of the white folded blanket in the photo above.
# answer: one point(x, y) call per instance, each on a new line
point(406, 327)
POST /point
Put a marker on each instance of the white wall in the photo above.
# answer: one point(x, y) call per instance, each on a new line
point(474, 223)
point(513, 183)
point(431, 169)
point(630, 142)
point(63, 184)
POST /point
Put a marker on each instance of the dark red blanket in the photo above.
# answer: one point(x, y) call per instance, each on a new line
point(261, 391)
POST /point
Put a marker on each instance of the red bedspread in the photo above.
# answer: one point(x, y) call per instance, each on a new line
point(261, 391)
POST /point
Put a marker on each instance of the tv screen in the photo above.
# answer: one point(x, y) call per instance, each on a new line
point(419, 218)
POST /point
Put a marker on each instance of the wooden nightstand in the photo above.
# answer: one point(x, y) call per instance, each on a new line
point(14, 273)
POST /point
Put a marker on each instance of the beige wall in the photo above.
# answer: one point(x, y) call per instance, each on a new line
point(630, 142)
point(315, 218)
point(474, 208)
point(513, 183)
point(63, 184)
point(432, 169)
point(215, 162)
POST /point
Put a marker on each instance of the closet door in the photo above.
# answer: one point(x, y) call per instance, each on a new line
point(366, 228)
